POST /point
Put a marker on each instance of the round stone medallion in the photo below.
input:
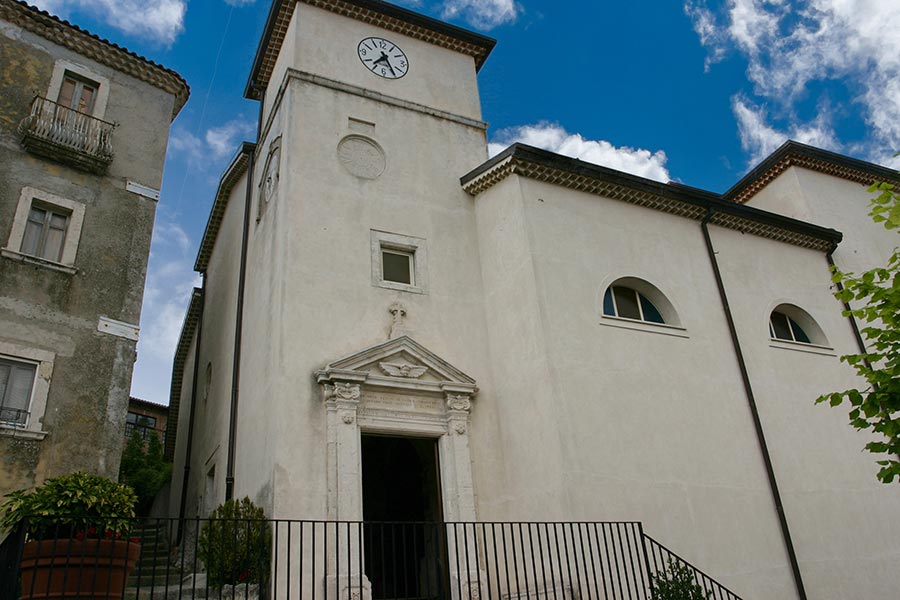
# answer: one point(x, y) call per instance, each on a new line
point(361, 156)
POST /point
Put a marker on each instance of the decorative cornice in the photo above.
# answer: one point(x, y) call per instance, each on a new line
point(92, 46)
point(673, 198)
point(191, 319)
point(229, 179)
point(795, 154)
point(373, 12)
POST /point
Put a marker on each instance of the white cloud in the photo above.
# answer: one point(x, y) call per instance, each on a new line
point(223, 140)
point(483, 14)
point(759, 138)
point(217, 143)
point(555, 138)
point(791, 45)
point(161, 20)
point(170, 280)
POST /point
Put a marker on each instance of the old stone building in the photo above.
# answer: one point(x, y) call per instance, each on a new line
point(84, 126)
point(548, 340)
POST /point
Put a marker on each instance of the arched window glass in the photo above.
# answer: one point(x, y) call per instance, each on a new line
point(791, 323)
point(628, 303)
point(782, 327)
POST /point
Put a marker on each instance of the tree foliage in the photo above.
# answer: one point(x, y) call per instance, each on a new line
point(876, 293)
point(677, 583)
point(144, 469)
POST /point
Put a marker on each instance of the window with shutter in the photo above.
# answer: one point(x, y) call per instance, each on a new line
point(16, 384)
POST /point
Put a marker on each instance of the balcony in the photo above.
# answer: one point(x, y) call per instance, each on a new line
point(68, 136)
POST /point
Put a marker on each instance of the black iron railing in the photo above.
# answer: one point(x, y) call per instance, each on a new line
point(352, 560)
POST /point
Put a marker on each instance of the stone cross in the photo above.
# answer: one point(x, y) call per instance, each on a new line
point(398, 313)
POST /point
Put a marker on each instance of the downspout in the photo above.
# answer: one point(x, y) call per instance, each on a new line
point(853, 324)
point(190, 432)
point(751, 400)
point(239, 322)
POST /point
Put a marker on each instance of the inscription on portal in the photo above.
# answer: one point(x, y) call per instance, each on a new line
point(401, 403)
point(361, 156)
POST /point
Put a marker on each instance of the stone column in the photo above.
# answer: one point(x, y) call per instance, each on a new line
point(459, 503)
point(344, 494)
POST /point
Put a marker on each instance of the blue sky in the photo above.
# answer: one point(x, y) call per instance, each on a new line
point(695, 91)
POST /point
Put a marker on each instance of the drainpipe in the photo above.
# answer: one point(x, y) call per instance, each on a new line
point(853, 323)
point(751, 400)
point(190, 432)
point(239, 320)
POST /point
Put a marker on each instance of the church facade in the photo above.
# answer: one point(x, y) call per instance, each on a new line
point(553, 340)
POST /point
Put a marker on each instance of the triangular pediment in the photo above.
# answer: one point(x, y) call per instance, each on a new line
point(400, 362)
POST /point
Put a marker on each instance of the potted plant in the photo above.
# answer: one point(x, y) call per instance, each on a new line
point(77, 528)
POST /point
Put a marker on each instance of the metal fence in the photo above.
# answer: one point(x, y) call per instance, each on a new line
point(352, 560)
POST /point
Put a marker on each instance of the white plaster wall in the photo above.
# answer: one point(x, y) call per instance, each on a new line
point(842, 520)
point(638, 431)
point(326, 44)
point(210, 445)
point(309, 281)
point(284, 61)
point(831, 202)
point(183, 416)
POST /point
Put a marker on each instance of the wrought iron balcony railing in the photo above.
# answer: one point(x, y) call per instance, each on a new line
point(66, 135)
point(356, 560)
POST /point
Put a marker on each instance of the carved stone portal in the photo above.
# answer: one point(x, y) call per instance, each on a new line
point(385, 389)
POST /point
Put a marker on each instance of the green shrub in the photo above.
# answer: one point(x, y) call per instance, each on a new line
point(72, 504)
point(235, 544)
point(145, 470)
point(677, 583)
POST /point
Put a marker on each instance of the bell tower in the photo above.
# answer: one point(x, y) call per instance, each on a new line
point(369, 117)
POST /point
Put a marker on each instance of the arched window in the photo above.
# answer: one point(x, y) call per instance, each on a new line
point(632, 298)
point(790, 323)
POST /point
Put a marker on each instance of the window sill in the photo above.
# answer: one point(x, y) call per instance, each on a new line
point(634, 325)
point(40, 262)
point(802, 347)
point(20, 433)
point(399, 287)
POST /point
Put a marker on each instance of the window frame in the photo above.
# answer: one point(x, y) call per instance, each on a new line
point(818, 340)
point(611, 289)
point(17, 364)
point(413, 247)
point(40, 389)
point(63, 68)
point(33, 197)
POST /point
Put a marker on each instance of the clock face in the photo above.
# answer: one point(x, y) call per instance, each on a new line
point(382, 57)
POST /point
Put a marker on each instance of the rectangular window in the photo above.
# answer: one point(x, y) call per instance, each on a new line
point(399, 262)
point(397, 265)
point(45, 233)
point(142, 424)
point(16, 384)
point(77, 93)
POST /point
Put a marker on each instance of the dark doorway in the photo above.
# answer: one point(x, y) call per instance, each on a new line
point(404, 545)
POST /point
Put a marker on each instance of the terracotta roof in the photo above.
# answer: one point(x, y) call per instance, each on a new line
point(229, 179)
point(795, 154)
point(147, 403)
point(681, 200)
point(191, 319)
point(374, 12)
point(85, 43)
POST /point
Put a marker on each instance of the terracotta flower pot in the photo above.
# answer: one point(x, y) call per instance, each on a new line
point(91, 569)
